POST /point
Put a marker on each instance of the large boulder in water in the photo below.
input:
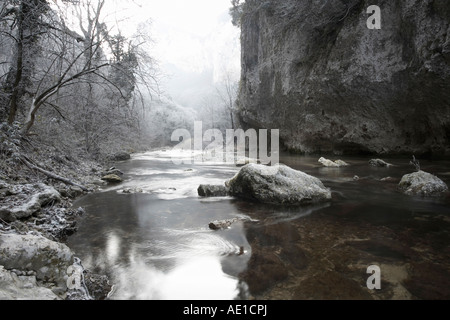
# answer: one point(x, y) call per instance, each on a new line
point(277, 185)
point(422, 184)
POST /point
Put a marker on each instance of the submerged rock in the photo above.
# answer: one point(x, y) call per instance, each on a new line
point(422, 184)
point(131, 190)
point(212, 191)
point(48, 259)
point(277, 185)
point(335, 164)
point(26, 200)
point(379, 163)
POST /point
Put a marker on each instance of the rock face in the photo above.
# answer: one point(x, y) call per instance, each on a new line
point(422, 184)
point(277, 185)
point(48, 259)
point(314, 70)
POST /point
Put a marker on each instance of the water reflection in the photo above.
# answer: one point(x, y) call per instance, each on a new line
point(197, 278)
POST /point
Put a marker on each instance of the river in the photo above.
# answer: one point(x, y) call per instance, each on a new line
point(155, 243)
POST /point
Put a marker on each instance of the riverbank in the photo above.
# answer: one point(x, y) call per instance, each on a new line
point(38, 186)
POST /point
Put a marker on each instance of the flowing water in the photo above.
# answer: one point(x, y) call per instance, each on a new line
point(151, 235)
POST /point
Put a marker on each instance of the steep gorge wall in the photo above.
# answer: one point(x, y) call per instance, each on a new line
point(313, 69)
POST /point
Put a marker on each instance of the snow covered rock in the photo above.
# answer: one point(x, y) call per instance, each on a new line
point(335, 164)
point(25, 200)
point(14, 287)
point(48, 259)
point(379, 163)
point(422, 184)
point(277, 185)
point(112, 178)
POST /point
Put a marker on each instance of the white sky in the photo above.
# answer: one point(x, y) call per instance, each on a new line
point(191, 34)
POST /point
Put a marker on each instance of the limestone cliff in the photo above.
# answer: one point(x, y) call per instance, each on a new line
point(314, 70)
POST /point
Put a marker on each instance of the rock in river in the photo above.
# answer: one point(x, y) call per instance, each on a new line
point(335, 164)
point(379, 163)
point(212, 191)
point(222, 224)
point(277, 185)
point(422, 184)
point(112, 178)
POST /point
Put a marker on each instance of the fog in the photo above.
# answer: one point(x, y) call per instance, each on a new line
point(194, 43)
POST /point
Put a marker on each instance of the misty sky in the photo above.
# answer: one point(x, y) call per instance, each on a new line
point(194, 41)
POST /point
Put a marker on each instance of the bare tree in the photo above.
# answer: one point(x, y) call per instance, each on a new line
point(85, 83)
point(23, 19)
point(227, 92)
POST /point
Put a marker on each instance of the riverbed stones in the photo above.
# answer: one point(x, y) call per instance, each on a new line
point(277, 185)
point(422, 184)
point(212, 191)
point(48, 259)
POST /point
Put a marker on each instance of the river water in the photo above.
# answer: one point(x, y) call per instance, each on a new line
point(154, 241)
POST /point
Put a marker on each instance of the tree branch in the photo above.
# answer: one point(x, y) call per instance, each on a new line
point(52, 175)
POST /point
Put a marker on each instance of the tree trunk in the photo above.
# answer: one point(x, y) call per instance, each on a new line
point(31, 116)
point(13, 102)
point(232, 120)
